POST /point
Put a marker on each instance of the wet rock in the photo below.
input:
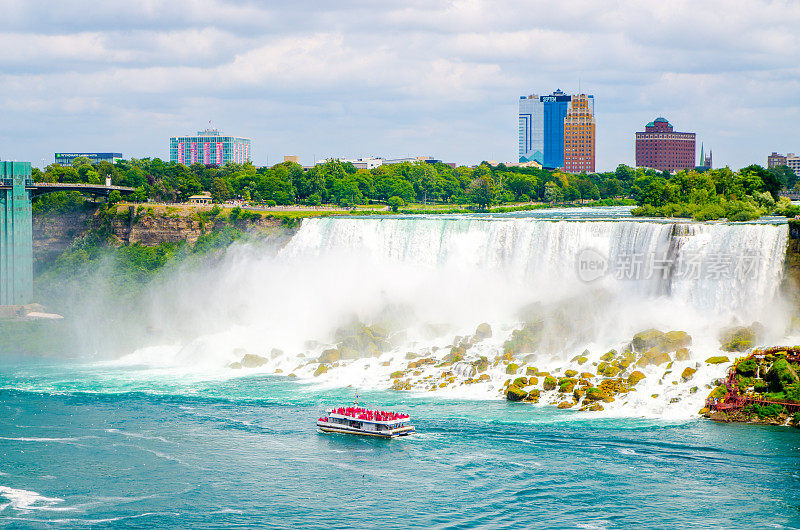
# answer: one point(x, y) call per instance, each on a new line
point(586, 375)
point(512, 369)
point(566, 405)
point(520, 382)
point(594, 394)
point(533, 380)
point(235, 366)
point(582, 359)
point(532, 397)
point(571, 373)
point(674, 340)
point(253, 361)
point(329, 356)
point(719, 416)
point(718, 359)
point(608, 369)
point(401, 385)
point(549, 383)
point(321, 369)
point(740, 338)
point(275, 353)
point(653, 356)
point(682, 354)
point(515, 393)
point(687, 374)
point(531, 370)
point(484, 331)
point(608, 355)
point(481, 365)
point(396, 375)
point(635, 377)
point(645, 340)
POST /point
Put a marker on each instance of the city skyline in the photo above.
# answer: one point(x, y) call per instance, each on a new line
point(353, 80)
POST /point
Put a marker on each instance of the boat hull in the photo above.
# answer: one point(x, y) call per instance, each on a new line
point(344, 429)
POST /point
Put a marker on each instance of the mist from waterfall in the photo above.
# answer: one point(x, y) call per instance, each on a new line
point(431, 280)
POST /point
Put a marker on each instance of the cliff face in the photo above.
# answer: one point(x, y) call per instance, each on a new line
point(54, 232)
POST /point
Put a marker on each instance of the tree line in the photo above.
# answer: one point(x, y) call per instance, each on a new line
point(484, 185)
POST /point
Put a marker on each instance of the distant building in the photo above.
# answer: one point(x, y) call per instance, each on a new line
point(705, 159)
point(541, 128)
point(660, 147)
point(291, 158)
point(209, 147)
point(579, 132)
point(373, 162)
point(203, 198)
point(543, 132)
point(791, 160)
point(775, 160)
point(532, 163)
point(65, 159)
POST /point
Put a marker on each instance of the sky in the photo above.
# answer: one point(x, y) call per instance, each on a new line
point(351, 78)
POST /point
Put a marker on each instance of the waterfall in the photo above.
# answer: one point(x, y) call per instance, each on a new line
point(428, 282)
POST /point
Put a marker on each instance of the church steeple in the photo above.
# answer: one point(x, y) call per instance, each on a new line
point(702, 155)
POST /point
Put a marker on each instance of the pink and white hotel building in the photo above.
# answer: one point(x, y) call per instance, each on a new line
point(209, 147)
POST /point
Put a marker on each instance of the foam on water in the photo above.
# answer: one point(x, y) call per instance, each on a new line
point(431, 279)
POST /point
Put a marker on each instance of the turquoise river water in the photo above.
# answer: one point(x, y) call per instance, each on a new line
point(139, 448)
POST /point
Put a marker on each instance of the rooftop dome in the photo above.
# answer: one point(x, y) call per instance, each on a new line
point(661, 120)
point(651, 124)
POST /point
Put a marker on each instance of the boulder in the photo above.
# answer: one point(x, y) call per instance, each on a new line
point(549, 383)
point(570, 373)
point(645, 340)
point(635, 377)
point(653, 356)
point(608, 355)
point(719, 416)
point(674, 340)
point(687, 373)
point(329, 356)
point(520, 382)
point(740, 338)
point(235, 366)
point(532, 397)
point(533, 380)
point(582, 359)
point(481, 364)
point(275, 353)
point(253, 361)
point(565, 404)
point(484, 331)
point(515, 393)
point(682, 354)
point(594, 407)
point(531, 370)
point(512, 368)
point(594, 394)
point(321, 369)
point(608, 369)
point(718, 359)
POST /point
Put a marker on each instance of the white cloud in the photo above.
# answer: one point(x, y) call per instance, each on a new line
point(359, 76)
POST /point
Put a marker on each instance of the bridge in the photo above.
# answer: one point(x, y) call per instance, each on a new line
point(17, 188)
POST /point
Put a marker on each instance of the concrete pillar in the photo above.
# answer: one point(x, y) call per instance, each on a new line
point(16, 234)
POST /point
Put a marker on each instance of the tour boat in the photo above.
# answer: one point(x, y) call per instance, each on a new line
point(357, 420)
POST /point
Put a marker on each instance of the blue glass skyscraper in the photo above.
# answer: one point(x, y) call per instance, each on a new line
point(541, 128)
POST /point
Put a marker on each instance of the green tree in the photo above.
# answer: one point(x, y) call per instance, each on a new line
point(482, 190)
point(395, 203)
point(114, 197)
